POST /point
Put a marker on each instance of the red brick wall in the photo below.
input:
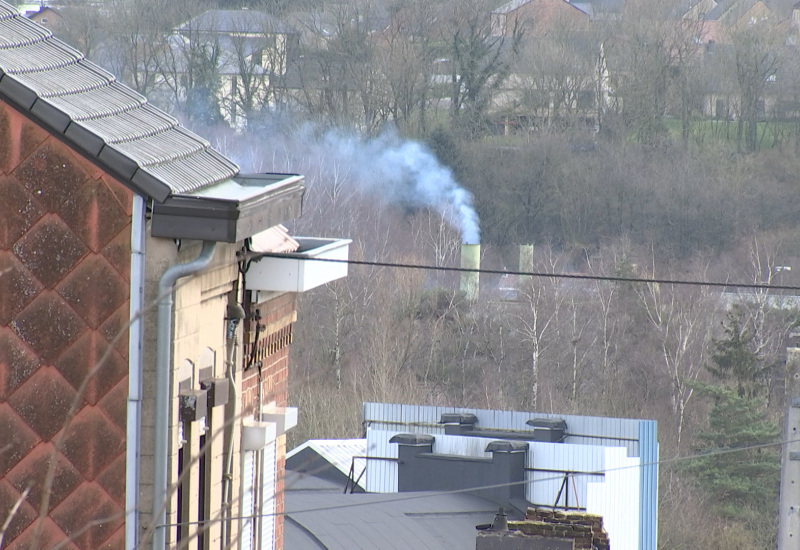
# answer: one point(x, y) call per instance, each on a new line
point(64, 288)
point(272, 350)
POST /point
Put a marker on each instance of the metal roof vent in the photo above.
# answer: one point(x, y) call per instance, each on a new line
point(458, 423)
point(548, 430)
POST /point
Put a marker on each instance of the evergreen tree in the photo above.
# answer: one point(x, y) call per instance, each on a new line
point(741, 480)
point(734, 360)
point(739, 467)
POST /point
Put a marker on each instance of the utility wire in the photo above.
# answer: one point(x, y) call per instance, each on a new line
point(429, 494)
point(581, 276)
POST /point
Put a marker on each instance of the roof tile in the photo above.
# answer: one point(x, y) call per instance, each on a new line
point(69, 94)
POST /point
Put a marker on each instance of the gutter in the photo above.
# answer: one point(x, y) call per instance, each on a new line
point(135, 369)
point(163, 371)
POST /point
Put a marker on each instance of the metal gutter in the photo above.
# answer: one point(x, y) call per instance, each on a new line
point(163, 371)
point(231, 211)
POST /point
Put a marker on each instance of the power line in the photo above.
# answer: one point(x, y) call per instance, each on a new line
point(430, 494)
point(580, 276)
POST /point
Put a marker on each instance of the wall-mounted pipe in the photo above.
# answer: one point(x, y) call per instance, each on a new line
point(163, 370)
point(135, 366)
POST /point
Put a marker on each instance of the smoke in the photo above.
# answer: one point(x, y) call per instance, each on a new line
point(397, 170)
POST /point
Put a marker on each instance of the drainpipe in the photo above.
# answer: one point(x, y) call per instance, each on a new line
point(135, 366)
point(234, 314)
point(163, 371)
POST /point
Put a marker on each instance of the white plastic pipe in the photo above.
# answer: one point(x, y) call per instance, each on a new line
point(135, 332)
point(163, 370)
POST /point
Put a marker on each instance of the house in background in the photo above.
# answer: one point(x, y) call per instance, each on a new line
point(45, 16)
point(249, 50)
point(536, 17)
point(144, 325)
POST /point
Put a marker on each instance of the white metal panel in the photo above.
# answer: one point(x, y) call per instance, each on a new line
point(248, 499)
point(603, 432)
point(381, 474)
point(617, 499)
point(600, 445)
point(561, 456)
point(268, 488)
point(298, 272)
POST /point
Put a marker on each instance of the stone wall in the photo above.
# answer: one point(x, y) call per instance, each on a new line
point(585, 529)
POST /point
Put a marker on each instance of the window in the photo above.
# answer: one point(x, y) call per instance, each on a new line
point(268, 488)
point(258, 498)
point(248, 499)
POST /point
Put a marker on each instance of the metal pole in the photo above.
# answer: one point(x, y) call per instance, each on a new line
point(789, 510)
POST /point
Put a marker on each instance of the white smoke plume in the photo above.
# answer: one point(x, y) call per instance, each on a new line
point(398, 170)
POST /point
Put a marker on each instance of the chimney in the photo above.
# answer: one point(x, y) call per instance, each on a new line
point(525, 261)
point(470, 281)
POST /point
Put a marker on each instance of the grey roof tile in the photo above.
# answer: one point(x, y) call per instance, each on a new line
point(144, 148)
point(100, 116)
point(106, 101)
point(69, 79)
point(7, 11)
point(18, 32)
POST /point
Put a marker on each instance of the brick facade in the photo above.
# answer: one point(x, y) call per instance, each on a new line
point(64, 287)
point(269, 363)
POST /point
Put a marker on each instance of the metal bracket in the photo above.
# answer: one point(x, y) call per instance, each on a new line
point(794, 455)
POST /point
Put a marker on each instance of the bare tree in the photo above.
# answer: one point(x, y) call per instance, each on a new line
point(649, 45)
point(405, 53)
point(479, 61)
point(138, 41)
point(756, 59)
point(681, 318)
point(556, 74)
point(537, 325)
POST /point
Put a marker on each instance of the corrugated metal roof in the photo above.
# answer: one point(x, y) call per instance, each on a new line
point(339, 452)
point(60, 88)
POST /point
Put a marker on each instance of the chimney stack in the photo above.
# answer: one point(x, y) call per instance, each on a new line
point(470, 259)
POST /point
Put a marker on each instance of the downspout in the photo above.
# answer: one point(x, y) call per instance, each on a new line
point(163, 371)
point(135, 366)
point(235, 314)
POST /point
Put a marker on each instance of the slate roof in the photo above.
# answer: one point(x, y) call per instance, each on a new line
point(508, 7)
point(234, 21)
point(412, 521)
point(730, 9)
point(141, 146)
